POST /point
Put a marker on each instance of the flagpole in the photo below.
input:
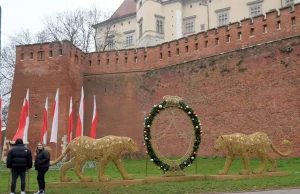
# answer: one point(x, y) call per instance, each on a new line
point(54, 131)
point(55, 151)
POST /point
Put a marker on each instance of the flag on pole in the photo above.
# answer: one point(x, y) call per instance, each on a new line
point(53, 138)
point(79, 128)
point(70, 122)
point(94, 120)
point(22, 131)
point(45, 124)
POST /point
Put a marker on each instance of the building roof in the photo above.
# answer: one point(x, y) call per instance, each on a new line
point(126, 8)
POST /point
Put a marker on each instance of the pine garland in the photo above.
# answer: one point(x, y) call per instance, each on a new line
point(147, 135)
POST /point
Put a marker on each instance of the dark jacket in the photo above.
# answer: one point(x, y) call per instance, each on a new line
point(42, 159)
point(19, 157)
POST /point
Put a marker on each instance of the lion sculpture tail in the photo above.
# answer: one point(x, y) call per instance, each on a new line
point(61, 156)
point(284, 142)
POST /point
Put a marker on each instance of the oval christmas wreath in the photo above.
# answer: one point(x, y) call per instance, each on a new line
point(147, 134)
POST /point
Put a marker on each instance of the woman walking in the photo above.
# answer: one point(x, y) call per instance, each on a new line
point(41, 164)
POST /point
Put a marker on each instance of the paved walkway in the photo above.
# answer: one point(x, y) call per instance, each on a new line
point(282, 191)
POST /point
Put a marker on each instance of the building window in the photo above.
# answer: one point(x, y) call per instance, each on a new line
point(223, 19)
point(189, 26)
point(76, 59)
point(228, 38)
point(140, 28)
point(217, 41)
point(159, 26)
point(129, 40)
point(251, 32)
point(40, 55)
point(110, 43)
point(202, 27)
point(255, 11)
point(293, 21)
point(239, 35)
point(265, 28)
point(289, 2)
point(278, 25)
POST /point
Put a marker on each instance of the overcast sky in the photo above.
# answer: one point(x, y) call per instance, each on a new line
point(28, 14)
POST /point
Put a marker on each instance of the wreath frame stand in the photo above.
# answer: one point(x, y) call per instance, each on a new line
point(172, 168)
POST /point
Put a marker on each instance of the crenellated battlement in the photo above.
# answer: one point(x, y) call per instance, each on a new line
point(246, 79)
point(274, 25)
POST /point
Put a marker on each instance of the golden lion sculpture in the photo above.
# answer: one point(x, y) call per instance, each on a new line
point(101, 150)
point(242, 145)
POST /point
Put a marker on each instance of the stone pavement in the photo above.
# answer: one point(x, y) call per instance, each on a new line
point(282, 191)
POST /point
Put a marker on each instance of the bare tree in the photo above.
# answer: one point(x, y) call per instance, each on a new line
point(41, 37)
point(108, 38)
point(88, 29)
point(8, 63)
point(103, 30)
point(63, 26)
point(75, 26)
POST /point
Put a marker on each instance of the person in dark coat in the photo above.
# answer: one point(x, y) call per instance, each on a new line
point(41, 163)
point(19, 160)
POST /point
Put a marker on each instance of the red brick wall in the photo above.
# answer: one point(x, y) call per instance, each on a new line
point(245, 85)
point(251, 90)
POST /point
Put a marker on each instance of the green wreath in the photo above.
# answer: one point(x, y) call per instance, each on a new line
point(147, 135)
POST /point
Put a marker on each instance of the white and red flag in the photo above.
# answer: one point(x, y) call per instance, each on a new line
point(53, 138)
point(79, 128)
point(94, 120)
point(22, 131)
point(70, 122)
point(45, 124)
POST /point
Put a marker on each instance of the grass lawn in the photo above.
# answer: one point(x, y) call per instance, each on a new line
point(205, 166)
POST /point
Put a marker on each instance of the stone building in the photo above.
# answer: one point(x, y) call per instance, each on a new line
point(142, 23)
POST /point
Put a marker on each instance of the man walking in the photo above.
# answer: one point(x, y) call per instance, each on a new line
point(19, 160)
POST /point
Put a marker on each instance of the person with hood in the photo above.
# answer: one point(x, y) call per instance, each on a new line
point(41, 164)
point(19, 160)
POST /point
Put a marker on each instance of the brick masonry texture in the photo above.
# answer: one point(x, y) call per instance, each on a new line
point(235, 85)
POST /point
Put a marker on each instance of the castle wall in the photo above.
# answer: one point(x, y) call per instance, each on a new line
point(246, 91)
point(224, 39)
point(235, 85)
